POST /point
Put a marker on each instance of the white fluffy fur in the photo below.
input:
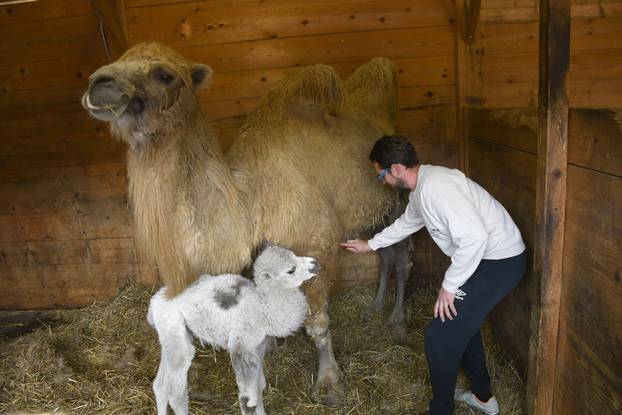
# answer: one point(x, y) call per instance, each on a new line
point(234, 313)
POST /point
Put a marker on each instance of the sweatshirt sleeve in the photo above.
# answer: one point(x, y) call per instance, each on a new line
point(467, 232)
point(407, 224)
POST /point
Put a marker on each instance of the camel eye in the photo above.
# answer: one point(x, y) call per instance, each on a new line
point(292, 270)
point(163, 76)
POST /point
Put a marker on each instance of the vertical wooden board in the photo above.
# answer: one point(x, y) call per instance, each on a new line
point(510, 176)
point(590, 339)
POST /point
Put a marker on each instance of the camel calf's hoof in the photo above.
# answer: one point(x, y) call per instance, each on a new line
point(327, 392)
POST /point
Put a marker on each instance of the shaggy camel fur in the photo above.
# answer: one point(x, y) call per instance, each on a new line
point(233, 313)
point(297, 175)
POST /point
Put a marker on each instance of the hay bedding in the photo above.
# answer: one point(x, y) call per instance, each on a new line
point(102, 359)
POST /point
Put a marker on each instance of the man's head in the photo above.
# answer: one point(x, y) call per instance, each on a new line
point(395, 161)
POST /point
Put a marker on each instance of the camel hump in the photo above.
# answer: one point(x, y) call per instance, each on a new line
point(314, 88)
point(373, 88)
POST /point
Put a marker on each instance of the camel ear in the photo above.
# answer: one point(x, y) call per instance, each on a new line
point(265, 244)
point(200, 74)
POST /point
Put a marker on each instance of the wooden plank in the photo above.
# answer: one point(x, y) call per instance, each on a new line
point(510, 176)
point(15, 14)
point(329, 48)
point(550, 201)
point(50, 39)
point(599, 93)
point(61, 286)
point(513, 128)
point(594, 138)
point(111, 14)
point(590, 318)
point(254, 83)
point(585, 65)
point(68, 72)
point(111, 251)
point(38, 253)
point(594, 10)
point(38, 102)
point(431, 125)
point(203, 23)
point(56, 227)
point(523, 37)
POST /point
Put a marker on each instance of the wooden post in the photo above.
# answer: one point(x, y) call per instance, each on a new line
point(468, 80)
point(550, 201)
point(111, 14)
point(471, 20)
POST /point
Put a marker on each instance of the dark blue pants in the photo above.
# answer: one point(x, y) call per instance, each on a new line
point(458, 342)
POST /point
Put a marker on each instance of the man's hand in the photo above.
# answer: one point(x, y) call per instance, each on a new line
point(357, 246)
point(444, 306)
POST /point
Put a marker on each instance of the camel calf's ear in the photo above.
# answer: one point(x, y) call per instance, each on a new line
point(200, 73)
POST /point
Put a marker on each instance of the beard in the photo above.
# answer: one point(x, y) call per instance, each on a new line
point(399, 183)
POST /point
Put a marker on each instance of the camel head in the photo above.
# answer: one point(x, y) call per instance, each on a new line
point(144, 91)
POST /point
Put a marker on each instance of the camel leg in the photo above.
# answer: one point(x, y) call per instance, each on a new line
point(248, 369)
point(328, 389)
point(386, 267)
point(402, 267)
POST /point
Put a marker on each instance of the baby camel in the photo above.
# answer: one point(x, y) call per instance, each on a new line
point(234, 313)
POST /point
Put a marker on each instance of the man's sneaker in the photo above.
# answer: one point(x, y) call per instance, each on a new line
point(490, 408)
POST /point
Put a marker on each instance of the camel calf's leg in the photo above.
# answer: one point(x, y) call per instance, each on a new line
point(248, 368)
point(171, 383)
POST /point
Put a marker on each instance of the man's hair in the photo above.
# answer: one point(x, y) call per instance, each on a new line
point(393, 149)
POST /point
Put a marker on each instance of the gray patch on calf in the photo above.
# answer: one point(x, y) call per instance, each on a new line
point(247, 410)
point(230, 296)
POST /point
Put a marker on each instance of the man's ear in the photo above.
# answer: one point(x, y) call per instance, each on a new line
point(200, 74)
point(396, 169)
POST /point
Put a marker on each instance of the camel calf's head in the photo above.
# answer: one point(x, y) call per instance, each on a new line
point(280, 265)
point(140, 93)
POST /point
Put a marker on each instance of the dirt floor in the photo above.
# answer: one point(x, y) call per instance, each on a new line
point(102, 359)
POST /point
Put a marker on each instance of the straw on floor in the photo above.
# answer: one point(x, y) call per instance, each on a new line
point(102, 360)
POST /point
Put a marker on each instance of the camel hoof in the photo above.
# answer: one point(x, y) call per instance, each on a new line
point(400, 333)
point(328, 393)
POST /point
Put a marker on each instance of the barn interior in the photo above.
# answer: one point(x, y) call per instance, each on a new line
point(525, 96)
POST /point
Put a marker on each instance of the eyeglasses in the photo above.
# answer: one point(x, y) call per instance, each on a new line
point(383, 173)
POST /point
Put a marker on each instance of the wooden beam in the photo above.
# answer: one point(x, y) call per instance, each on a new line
point(550, 201)
point(111, 14)
point(468, 80)
point(472, 17)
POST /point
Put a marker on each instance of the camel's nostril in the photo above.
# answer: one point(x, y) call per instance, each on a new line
point(103, 80)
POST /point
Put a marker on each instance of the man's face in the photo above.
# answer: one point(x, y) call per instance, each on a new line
point(388, 176)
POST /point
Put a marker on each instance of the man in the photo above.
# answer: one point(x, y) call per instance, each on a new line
point(487, 262)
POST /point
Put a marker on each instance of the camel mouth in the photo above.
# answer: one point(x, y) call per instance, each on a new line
point(105, 112)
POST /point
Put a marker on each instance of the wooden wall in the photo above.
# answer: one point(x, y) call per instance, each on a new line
point(502, 153)
point(589, 362)
point(501, 150)
point(505, 54)
point(65, 232)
